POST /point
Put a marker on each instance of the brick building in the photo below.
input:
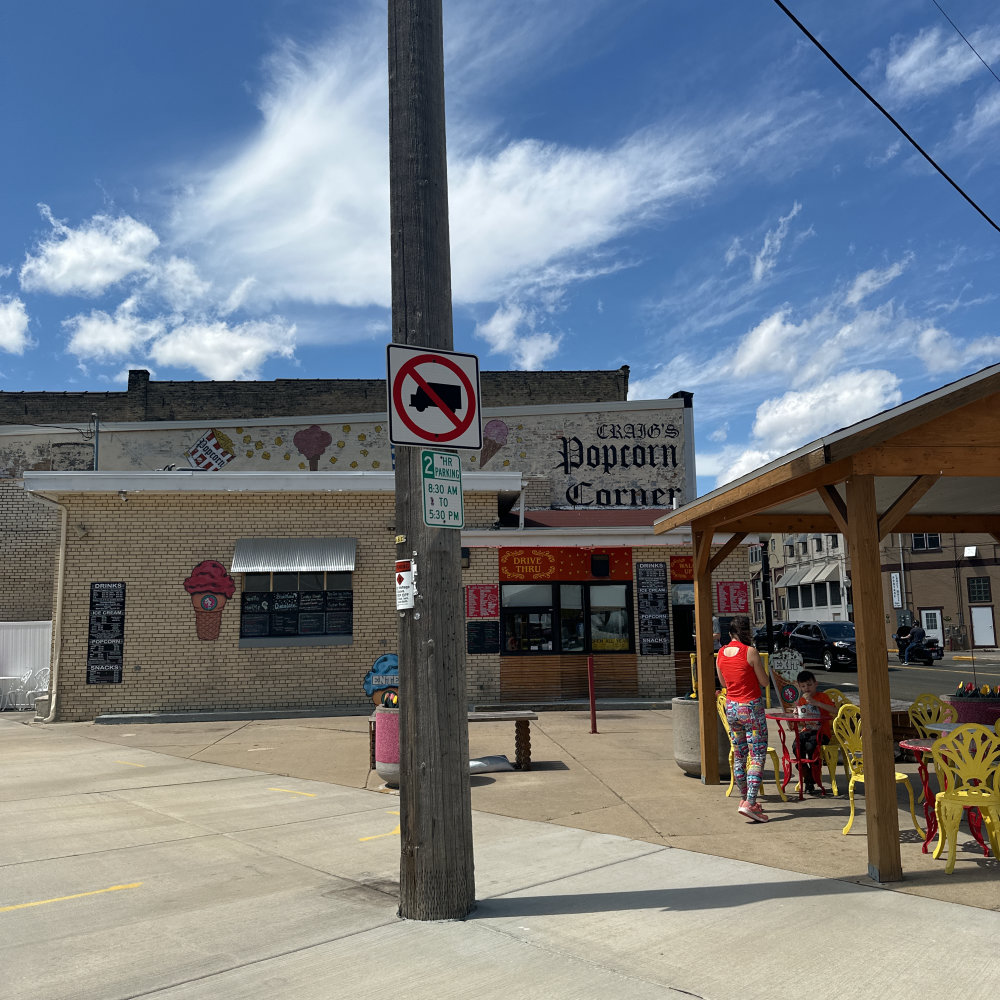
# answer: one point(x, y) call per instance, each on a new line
point(237, 558)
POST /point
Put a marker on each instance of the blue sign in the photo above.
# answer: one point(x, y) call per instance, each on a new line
point(383, 674)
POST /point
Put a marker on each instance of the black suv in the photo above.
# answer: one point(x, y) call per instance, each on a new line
point(829, 643)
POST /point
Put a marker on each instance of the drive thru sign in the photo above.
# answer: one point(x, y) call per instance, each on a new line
point(433, 397)
point(442, 488)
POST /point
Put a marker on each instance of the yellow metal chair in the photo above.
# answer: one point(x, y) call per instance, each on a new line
point(967, 761)
point(831, 750)
point(929, 708)
point(847, 730)
point(720, 704)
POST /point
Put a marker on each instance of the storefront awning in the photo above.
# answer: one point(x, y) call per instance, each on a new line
point(830, 572)
point(288, 555)
point(813, 575)
point(791, 578)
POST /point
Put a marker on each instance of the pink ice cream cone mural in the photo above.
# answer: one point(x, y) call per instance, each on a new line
point(494, 438)
point(312, 442)
point(210, 586)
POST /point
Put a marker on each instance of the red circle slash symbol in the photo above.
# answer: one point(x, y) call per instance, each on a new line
point(409, 369)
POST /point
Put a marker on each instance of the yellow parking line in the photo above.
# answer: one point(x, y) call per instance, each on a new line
point(129, 763)
point(76, 895)
point(291, 791)
point(391, 833)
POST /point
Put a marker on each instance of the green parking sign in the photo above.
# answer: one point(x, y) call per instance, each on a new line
point(442, 489)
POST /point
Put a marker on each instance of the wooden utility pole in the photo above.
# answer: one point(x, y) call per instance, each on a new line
point(436, 870)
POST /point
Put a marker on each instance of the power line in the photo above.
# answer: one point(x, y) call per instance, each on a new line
point(964, 39)
point(906, 135)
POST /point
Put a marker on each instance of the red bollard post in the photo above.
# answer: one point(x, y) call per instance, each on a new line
point(590, 685)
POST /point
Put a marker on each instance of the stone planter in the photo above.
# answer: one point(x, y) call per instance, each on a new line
point(387, 745)
point(985, 711)
point(687, 738)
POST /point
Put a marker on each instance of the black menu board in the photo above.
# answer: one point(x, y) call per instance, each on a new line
point(288, 613)
point(482, 636)
point(106, 634)
point(285, 623)
point(312, 600)
point(285, 601)
point(312, 623)
point(654, 619)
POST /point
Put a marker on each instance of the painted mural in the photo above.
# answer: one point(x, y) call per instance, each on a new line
point(624, 455)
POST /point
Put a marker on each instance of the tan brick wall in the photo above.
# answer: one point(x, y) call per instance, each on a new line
point(153, 541)
point(29, 545)
point(482, 669)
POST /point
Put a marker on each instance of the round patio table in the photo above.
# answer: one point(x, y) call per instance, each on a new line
point(815, 762)
point(920, 749)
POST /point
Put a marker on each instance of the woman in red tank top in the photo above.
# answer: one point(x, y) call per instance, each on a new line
point(741, 670)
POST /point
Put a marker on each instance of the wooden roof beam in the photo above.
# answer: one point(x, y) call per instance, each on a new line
point(716, 560)
point(904, 504)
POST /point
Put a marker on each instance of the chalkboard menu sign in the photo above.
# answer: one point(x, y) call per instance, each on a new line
point(654, 620)
point(482, 636)
point(312, 600)
point(106, 635)
point(290, 613)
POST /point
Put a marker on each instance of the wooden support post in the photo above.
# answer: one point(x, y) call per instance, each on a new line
point(884, 861)
point(707, 713)
point(436, 879)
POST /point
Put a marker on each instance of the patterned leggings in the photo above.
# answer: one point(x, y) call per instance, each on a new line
point(749, 729)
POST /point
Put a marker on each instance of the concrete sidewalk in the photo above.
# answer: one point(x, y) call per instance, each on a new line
point(252, 859)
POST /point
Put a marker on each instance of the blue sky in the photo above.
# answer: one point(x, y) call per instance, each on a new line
point(201, 189)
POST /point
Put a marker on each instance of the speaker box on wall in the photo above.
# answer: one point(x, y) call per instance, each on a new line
point(600, 564)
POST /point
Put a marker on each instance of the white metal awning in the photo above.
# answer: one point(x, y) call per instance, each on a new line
point(830, 572)
point(791, 578)
point(813, 575)
point(288, 555)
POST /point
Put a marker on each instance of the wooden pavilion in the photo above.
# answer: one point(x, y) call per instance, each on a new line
point(932, 464)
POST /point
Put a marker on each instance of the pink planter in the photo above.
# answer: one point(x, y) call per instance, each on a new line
point(985, 711)
point(387, 745)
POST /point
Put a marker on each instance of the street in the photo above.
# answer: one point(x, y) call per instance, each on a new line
point(906, 682)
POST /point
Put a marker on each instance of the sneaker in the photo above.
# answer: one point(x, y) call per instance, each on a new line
point(754, 812)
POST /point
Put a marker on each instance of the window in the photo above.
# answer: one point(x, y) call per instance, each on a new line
point(296, 609)
point(819, 543)
point(833, 541)
point(793, 598)
point(754, 554)
point(805, 595)
point(979, 590)
point(591, 617)
point(756, 588)
point(922, 543)
point(834, 593)
point(790, 550)
point(803, 548)
point(819, 594)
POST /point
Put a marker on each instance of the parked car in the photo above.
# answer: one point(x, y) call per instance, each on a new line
point(778, 636)
point(831, 643)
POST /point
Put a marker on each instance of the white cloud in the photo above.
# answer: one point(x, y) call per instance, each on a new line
point(90, 259)
point(763, 262)
point(529, 349)
point(941, 352)
point(935, 61)
point(797, 417)
point(100, 337)
point(771, 344)
point(178, 283)
point(871, 281)
point(13, 325)
point(223, 352)
point(982, 123)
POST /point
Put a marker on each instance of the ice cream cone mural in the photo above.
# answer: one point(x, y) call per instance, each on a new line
point(210, 586)
point(494, 438)
point(312, 442)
